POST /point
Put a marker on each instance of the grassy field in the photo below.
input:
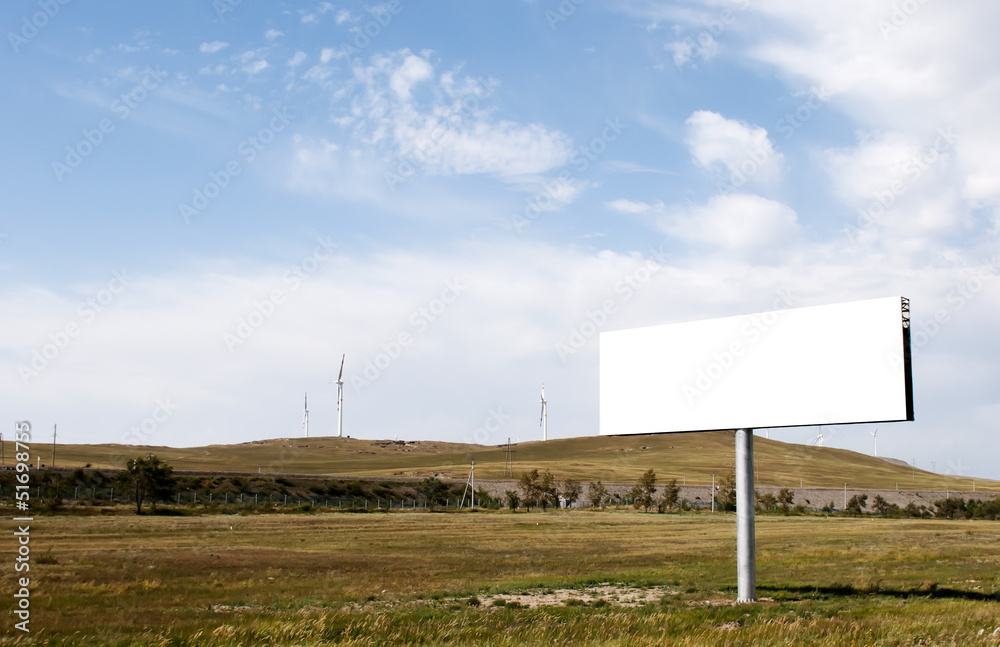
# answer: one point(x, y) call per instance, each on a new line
point(407, 578)
point(687, 457)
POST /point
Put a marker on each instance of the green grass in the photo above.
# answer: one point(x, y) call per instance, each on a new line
point(407, 578)
point(687, 457)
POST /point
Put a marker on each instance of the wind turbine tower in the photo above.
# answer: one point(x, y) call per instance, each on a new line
point(544, 421)
point(305, 416)
point(340, 399)
point(875, 443)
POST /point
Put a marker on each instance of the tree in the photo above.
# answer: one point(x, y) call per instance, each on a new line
point(596, 494)
point(513, 501)
point(547, 494)
point(883, 507)
point(726, 496)
point(766, 502)
point(433, 489)
point(528, 484)
point(147, 477)
point(571, 492)
point(856, 504)
point(786, 499)
point(644, 490)
point(951, 508)
point(671, 495)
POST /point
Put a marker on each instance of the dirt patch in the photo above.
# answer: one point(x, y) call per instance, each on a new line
point(622, 596)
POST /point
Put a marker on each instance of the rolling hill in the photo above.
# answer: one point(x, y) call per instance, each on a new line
point(690, 458)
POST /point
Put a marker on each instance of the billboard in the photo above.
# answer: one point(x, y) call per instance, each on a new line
point(834, 364)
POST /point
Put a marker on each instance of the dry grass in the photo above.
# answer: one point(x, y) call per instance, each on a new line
point(407, 578)
point(690, 457)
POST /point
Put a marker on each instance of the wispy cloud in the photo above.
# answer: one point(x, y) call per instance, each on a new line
point(213, 47)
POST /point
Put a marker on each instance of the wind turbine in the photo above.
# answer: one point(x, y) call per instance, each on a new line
point(875, 443)
point(305, 416)
point(818, 441)
point(543, 422)
point(340, 399)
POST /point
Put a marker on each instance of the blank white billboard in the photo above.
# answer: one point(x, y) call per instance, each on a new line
point(823, 365)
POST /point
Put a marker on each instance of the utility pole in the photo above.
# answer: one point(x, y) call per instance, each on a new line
point(746, 557)
point(509, 461)
point(713, 491)
point(55, 428)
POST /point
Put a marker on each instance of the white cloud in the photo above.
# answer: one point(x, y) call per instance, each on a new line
point(454, 133)
point(413, 70)
point(735, 223)
point(297, 59)
point(314, 17)
point(272, 34)
point(317, 74)
point(343, 16)
point(743, 150)
point(684, 52)
point(628, 206)
point(255, 67)
point(910, 74)
point(327, 54)
point(494, 344)
point(213, 47)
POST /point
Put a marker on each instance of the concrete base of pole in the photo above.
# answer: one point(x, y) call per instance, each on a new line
point(746, 556)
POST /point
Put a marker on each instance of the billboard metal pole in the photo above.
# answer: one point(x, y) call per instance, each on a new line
point(746, 558)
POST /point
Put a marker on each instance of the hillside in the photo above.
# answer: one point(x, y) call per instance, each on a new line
point(690, 458)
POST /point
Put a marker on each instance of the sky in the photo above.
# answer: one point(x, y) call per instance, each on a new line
point(208, 203)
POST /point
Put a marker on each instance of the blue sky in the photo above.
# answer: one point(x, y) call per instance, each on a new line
point(219, 199)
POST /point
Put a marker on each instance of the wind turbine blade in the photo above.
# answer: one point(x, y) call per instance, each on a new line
point(341, 376)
